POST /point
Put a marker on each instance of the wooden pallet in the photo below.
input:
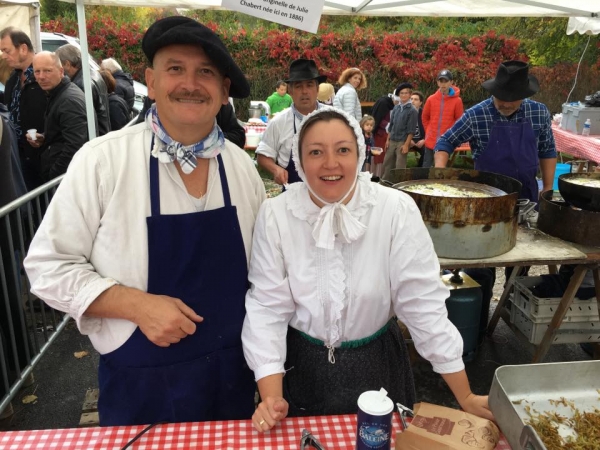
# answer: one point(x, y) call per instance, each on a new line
point(89, 411)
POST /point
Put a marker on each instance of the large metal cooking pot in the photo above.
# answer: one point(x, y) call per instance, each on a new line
point(580, 195)
point(559, 219)
point(467, 228)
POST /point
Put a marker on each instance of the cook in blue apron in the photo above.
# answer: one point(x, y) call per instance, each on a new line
point(200, 259)
point(512, 148)
point(512, 151)
point(291, 167)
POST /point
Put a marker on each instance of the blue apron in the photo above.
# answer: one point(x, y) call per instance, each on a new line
point(293, 176)
point(200, 259)
point(512, 151)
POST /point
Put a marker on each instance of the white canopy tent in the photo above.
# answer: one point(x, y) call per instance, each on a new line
point(22, 14)
point(583, 25)
point(432, 8)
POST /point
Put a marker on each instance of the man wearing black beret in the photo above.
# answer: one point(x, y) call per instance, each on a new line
point(147, 240)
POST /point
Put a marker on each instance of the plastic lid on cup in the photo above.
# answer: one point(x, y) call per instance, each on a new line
point(375, 403)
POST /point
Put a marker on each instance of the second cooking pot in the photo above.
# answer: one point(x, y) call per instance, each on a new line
point(467, 227)
point(581, 190)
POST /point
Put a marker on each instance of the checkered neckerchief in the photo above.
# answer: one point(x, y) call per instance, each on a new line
point(168, 150)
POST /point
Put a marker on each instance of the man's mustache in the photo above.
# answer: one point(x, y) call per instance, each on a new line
point(189, 95)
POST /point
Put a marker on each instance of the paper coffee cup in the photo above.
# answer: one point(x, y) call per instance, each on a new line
point(374, 420)
point(32, 134)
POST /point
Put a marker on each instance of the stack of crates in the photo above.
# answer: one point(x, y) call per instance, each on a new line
point(532, 315)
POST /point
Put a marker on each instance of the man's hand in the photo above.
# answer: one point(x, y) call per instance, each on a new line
point(269, 413)
point(280, 175)
point(38, 142)
point(440, 159)
point(387, 144)
point(420, 143)
point(405, 148)
point(165, 320)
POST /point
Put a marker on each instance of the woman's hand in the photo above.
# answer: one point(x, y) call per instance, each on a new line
point(269, 413)
point(477, 405)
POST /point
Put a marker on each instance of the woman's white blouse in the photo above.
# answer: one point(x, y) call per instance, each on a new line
point(347, 99)
point(349, 292)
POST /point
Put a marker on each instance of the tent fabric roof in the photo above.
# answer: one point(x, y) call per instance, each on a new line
point(432, 8)
point(583, 25)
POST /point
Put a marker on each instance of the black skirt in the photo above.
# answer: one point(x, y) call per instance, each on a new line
point(313, 386)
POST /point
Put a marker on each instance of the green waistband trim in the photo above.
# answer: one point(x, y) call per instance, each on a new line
point(350, 344)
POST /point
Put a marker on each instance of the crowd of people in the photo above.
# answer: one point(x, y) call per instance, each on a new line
point(44, 94)
point(194, 288)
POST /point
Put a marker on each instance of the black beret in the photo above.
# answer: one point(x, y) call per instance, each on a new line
point(183, 30)
point(402, 86)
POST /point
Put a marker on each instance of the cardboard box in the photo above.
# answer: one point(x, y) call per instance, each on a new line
point(574, 116)
point(440, 428)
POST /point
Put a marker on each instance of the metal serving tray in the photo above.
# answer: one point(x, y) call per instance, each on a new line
point(533, 385)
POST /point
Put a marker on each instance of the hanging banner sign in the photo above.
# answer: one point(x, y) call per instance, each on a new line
point(302, 14)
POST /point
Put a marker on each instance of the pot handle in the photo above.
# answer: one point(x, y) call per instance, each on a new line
point(529, 439)
point(528, 207)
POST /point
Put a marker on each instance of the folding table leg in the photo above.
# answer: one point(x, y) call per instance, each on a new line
point(560, 313)
point(507, 288)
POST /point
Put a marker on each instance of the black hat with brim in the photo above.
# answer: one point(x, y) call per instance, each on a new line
point(179, 30)
point(512, 82)
point(402, 86)
point(304, 69)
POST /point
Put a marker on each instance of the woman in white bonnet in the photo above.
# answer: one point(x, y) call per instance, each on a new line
point(312, 312)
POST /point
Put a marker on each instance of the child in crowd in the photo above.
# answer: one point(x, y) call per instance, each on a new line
point(280, 99)
point(367, 123)
point(403, 123)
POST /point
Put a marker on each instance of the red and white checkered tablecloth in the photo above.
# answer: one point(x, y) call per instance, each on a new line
point(334, 432)
point(584, 147)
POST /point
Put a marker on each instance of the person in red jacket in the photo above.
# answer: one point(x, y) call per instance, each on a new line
point(440, 112)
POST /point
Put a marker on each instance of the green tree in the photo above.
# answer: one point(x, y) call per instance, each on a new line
point(546, 42)
point(55, 9)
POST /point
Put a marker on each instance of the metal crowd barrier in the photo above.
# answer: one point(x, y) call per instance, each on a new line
point(27, 325)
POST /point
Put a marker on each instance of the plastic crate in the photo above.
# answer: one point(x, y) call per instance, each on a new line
point(541, 309)
point(575, 115)
point(569, 332)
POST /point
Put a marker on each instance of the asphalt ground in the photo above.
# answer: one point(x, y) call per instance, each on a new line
point(61, 379)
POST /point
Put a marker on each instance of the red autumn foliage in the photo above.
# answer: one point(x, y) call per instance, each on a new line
point(385, 58)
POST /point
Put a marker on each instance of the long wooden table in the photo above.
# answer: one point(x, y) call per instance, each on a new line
point(535, 248)
point(333, 432)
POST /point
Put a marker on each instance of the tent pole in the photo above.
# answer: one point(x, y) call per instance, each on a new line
point(570, 11)
point(34, 26)
point(85, 68)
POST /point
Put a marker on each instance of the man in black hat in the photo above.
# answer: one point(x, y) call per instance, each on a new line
point(274, 153)
point(147, 241)
point(508, 133)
